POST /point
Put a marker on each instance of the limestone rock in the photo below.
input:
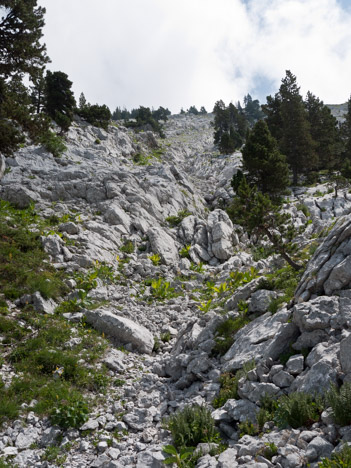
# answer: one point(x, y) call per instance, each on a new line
point(122, 329)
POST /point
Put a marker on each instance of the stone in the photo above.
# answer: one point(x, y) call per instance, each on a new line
point(90, 425)
point(318, 448)
point(138, 419)
point(227, 459)
point(2, 166)
point(241, 410)
point(122, 329)
point(114, 360)
point(26, 438)
point(49, 436)
point(315, 314)
point(295, 364)
point(40, 304)
point(115, 215)
point(283, 379)
point(150, 459)
point(163, 244)
point(260, 300)
point(52, 244)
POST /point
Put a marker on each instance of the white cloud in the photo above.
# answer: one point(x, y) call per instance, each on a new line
point(184, 52)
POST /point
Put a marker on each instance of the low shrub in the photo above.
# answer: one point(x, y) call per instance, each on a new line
point(53, 143)
point(174, 221)
point(128, 247)
point(155, 258)
point(191, 426)
point(70, 414)
point(225, 334)
point(340, 402)
point(297, 410)
point(184, 252)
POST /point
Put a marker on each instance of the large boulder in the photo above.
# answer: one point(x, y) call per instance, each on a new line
point(163, 244)
point(122, 329)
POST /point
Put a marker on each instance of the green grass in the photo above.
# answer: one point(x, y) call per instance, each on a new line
point(23, 267)
point(225, 334)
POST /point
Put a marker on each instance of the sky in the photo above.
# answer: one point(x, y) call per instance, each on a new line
point(178, 53)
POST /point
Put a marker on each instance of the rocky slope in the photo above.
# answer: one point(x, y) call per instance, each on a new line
point(150, 209)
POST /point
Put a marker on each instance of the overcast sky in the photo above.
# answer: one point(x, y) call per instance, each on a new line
point(177, 53)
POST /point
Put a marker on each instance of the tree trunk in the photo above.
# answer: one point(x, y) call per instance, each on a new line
point(282, 252)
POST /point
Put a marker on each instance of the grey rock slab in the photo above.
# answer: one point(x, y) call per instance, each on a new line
point(260, 300)
point(122, 329)
point(339, 277)
point(318, 448)
point(163, 244)
point(138, 419)
point(40, 304)
point(90, 425)
point(49, 436)
point(241, 410)
point(283, 379)
point(227, 459)
point(150, 459)
point(2, 166)
point(295, 364)
point(253, 340)
point(26, 438)
point(315, 314)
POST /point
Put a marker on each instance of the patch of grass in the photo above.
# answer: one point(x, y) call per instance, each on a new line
point(225, 334)
point(304, 209)
point(140, 159)
point(23, 262)
point(191, 426)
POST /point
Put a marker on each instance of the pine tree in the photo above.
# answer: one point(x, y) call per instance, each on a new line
point(20, 32)
point(266, 167)
point(324, 131)
point(59, 99)
point(252, 109)
point(21, 52)
point(259, 216)
point(296, 142)
point(230, 127)
point(346, 131)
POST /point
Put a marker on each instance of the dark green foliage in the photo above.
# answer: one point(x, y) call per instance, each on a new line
point(257, 213)
point(59, 98)
point(297, 410)
point(225, 334)
point(96, 115)
point(192, 110)
point(70, 414)
point(346, 132)
point(324, 132)
point(203, 110)
point(340, 459)
point(53, 143)
point(229, 384)
point(174, 221)
point(265, 166)
point(145, 121)
point(252, 110)
point(191, 426)
point(340, 401)
point(230, 127)
point(288, 123)
point(128, 247)
point(21, 50)
point(247, 428)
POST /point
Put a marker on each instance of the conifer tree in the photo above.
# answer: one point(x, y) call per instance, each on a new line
point(346, 131)
point(20, 32)
point(259, 216)
point(265, 166)
point(324, 132)
point(59, 99)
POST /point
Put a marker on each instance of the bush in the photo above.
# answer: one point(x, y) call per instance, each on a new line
point(297, 410)
point(225, 334)
point(53, 143)
point(70, 414)
point(174, 221)
point(191, 426)
point(340, 402)
point(128, 247)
